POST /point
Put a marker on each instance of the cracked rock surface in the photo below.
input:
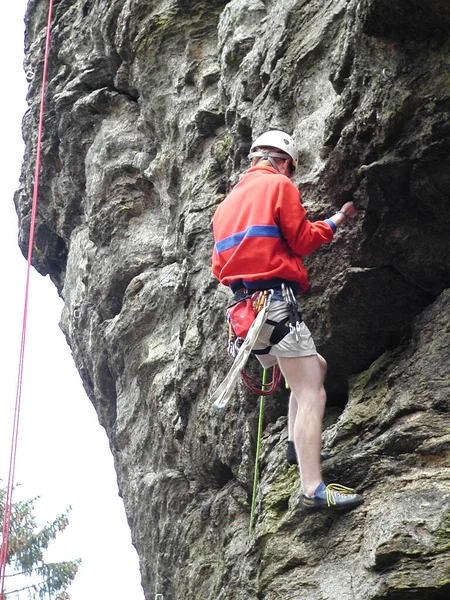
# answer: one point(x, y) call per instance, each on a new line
point(151, 107)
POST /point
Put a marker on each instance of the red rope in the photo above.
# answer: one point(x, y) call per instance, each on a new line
point(266, 389)
point(15, 433)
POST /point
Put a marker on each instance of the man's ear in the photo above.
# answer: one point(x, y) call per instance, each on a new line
point(286, 168)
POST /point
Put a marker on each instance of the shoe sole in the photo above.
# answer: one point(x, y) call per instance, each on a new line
point(313, 509)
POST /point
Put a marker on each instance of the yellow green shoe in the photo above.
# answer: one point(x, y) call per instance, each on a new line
point(332, 496)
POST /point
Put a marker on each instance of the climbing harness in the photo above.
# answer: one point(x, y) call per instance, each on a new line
point(223, 393)
point(240, 316)
point(245, 319)
point(13, 454)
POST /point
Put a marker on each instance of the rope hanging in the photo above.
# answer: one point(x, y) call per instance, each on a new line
point(263, 390)
point(15, 431)
point(258, 450)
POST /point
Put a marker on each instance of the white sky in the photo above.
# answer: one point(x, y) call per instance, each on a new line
point(63, 453)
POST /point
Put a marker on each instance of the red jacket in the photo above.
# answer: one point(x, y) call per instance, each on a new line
point(261, 233)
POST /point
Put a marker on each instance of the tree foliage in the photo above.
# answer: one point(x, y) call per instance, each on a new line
point(27, 571)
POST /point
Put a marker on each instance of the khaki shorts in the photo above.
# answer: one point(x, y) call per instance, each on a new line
point(289, 347)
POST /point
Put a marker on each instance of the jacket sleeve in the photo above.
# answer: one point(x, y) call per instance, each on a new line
point(216, 268)
point(301, 235)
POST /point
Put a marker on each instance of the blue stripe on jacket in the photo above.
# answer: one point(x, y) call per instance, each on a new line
point(332, 224)
point(231, 241)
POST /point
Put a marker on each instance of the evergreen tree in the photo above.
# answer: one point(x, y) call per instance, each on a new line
point(27, 573)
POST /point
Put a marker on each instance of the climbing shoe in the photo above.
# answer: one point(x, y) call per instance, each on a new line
point(330, 496)
point(291, 455)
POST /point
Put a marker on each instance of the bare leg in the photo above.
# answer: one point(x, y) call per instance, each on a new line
point(293, 402)
point(305, 377)
point(292, 414)
point(323, 366)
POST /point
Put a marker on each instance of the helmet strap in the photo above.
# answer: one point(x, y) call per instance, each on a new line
point(269, 156)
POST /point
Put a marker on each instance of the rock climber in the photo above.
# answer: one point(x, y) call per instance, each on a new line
point(261, 234)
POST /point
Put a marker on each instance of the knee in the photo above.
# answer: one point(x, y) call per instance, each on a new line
point(312, 399)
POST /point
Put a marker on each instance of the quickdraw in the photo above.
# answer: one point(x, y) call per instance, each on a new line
point(292, 306)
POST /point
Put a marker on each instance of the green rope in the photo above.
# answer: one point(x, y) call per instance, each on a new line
point(258, 450)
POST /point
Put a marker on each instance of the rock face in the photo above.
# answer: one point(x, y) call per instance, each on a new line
point(150, 110)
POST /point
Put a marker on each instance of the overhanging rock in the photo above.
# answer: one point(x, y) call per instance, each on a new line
point(151, 108)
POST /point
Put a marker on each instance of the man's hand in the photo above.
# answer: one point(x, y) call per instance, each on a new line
point(349, 209)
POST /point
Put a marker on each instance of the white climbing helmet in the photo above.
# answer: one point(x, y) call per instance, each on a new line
point(278, 140)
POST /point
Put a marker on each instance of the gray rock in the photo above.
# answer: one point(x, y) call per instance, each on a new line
point(150, 110)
